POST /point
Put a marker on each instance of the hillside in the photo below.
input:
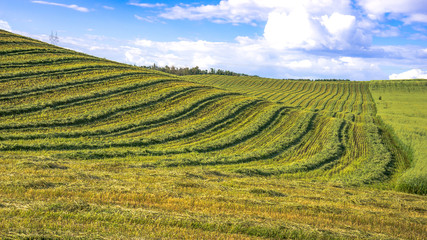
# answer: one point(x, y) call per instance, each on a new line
point(98, 149)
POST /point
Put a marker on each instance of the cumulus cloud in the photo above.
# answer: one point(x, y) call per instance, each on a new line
point(293, 30)
point(5, 26)
point(411, 74)
point(71, 6)
point(338, 24)
point(299, 29)
point(301, 24)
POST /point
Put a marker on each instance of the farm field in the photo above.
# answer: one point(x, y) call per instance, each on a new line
point(91, 148)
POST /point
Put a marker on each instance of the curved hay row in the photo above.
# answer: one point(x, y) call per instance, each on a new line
point(66, 105)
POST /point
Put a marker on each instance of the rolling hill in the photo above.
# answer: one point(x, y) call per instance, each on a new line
point(91, 148)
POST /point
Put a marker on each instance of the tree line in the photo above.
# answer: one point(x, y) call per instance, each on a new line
point(181, 71)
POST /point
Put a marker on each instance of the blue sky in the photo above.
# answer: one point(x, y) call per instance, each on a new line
point(347, 39)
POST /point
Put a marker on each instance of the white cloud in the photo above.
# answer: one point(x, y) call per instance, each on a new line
point(412, 55)
point(72, 6)
point(203, 61)
point(149, 19)
point(310, 24)
point(299, 29)
point(108, 7)
point(233, 11)
point(144, 43)
point(379, 7)
point(5, 26)
point(389, 31)
point(417, 17)
point(418, 36)
point(192, 53)
point(314, 66)
point(414, 10)
point(303, 24)
point(148, 5)
point(294, 30)
point(411, 74)
point(337, 24)
point(299, 64)
point(251, 56)
point(249, 11)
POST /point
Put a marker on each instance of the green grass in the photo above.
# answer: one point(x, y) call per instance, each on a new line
point(402, 105)
point(91, 148)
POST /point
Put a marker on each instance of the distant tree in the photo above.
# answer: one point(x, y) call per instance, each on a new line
point(53, 38)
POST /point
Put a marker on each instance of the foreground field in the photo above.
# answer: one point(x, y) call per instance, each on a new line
point(96, 149)
point(125, 199)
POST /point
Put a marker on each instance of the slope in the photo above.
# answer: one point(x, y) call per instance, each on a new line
point(95, 141)
point(71, 106)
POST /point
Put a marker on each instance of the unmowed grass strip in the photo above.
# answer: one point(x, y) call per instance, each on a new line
point(401, 106)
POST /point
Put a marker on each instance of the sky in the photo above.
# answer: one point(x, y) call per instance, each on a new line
point(315, 39)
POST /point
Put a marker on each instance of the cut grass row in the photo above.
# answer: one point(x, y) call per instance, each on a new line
point(335, 97)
